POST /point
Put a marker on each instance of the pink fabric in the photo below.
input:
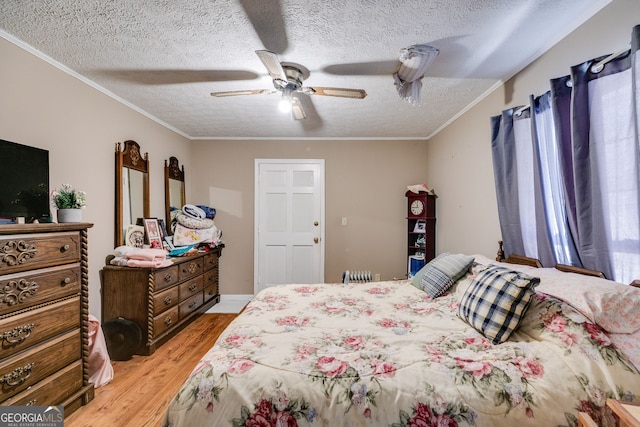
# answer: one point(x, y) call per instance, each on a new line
point(157, 263)
point(100, 369)
point(147, 254)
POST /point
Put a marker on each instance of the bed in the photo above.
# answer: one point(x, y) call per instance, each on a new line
point(423, 352)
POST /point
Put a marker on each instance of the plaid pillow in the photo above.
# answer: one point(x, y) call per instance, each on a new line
point(443, 271)
point(496, 300)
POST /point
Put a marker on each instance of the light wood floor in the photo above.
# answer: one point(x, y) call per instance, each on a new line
point(143, 386)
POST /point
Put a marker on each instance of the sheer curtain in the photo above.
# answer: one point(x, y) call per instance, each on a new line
point(581, 142)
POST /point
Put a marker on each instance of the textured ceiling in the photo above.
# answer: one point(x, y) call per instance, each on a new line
point(165, 57)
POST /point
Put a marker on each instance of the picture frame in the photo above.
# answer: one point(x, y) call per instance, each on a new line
point(420, 227)
point(134, 236)
point(152, 230)
point(163, 229)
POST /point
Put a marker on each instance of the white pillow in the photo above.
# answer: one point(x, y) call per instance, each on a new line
point(613, 306)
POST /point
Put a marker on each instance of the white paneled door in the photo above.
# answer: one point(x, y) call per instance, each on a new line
point(289, 222)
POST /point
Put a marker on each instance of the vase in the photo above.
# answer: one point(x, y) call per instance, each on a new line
point(69, 215)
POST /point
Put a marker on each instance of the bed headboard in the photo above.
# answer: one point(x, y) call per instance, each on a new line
point(580, 270)
point(516, 259)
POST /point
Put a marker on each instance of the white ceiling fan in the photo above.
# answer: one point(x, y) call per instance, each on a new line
point(287, 79)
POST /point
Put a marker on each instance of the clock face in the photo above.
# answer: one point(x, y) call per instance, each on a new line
point(417, 207)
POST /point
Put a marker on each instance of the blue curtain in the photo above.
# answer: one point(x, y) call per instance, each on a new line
point(503, 151)
point(584, 151)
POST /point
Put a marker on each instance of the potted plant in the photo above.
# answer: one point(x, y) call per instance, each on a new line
point(69, 203)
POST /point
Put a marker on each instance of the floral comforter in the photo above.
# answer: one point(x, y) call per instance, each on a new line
point(385, 354)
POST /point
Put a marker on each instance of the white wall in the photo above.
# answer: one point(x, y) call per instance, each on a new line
point(459, 164)
point(365, 182)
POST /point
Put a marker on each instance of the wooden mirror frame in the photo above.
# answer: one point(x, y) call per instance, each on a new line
point(129, 157)
point(172, 171)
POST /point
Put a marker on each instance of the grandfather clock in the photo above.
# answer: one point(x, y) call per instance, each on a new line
point(421, 230)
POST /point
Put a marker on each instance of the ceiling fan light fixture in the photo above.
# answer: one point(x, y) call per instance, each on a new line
point(285, 105)
point(286, 100)
point(414, 61)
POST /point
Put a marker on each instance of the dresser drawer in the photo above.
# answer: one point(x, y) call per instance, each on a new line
point(210, 292)
point(189, 305)
point(52, 390)
point(164, 300)
point(165, 277)
point(22, 252)
point(30, 366)
point(191, 268)
point(23, 290)
point(27, 329)
point(210, 277)
point(165, 321)
point(191, 287)
point(210, 261)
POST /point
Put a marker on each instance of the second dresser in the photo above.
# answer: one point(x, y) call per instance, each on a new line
point(161, 301)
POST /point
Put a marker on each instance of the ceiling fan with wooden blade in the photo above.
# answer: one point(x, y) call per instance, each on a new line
point(287, 79)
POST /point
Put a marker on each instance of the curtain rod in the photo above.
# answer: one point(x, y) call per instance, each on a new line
point(520, 110)
point(596, 68)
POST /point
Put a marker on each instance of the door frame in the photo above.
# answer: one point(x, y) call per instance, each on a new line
point(256, 212)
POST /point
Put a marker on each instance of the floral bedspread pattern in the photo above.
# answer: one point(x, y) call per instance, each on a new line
point(385, 354)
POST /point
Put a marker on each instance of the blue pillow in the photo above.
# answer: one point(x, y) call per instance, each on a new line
point(442, 272)
point(496, 301)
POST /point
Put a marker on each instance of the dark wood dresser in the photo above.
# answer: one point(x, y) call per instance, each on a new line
point(44, 311)
point(161, 301)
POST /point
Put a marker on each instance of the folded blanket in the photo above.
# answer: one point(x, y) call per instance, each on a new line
point(196, 223)
point(149, 264)
point(119, 260)
point(145, 254)
point(184, 236)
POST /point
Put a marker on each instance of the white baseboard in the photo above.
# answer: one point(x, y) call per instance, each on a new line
point(230, 304)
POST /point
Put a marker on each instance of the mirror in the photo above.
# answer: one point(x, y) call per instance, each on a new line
point(132, 188)
point(174, 190)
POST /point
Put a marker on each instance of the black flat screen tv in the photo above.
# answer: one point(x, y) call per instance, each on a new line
point(24, 182)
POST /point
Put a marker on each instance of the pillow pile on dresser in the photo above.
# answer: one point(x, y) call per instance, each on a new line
point(195, 225)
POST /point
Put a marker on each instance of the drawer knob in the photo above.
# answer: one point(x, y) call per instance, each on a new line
point(167, 300)
point(193, 287)
point(167, 321)
point(66, 280)
point(65, 248)
point(192, 304)
point(17, 334)
point(18, 376)
point(167, 277)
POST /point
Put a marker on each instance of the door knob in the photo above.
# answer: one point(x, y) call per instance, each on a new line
point(315, 223)
point(315, 240)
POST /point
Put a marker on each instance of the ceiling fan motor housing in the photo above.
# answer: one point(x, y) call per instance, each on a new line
point(294, 79)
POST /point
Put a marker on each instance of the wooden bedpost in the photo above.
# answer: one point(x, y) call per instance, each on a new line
point(500, 254)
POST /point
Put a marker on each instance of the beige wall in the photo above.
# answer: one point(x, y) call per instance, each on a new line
point(365, 182)
point(459, 164)
point(45, 107)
